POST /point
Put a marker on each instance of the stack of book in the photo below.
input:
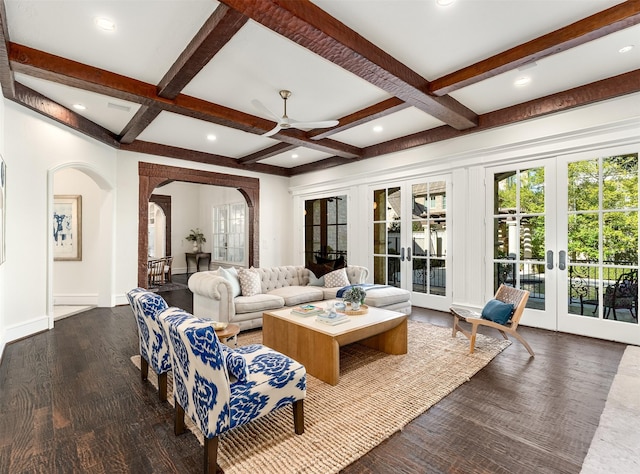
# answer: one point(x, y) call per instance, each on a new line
point(307, 310)
point(332, 318)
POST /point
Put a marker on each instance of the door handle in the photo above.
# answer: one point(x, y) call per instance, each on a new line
point(562, 263)
point(408, 254)
point(402, 254)
point(550, 259)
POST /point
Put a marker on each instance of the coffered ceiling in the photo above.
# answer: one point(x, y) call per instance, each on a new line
point(396, 74)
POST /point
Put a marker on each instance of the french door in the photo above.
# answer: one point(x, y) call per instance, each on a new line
point(410, 239)
point(566, 229)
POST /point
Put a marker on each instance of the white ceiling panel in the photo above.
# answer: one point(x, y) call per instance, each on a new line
point(296, 157)
point(149, 34)
point(186, 132)
point(112, 114)
point(405, 122)
point(257, 64)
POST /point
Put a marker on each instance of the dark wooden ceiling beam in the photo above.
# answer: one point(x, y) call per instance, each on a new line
point(306, 24)
point(319, 165)
point(219, 28)
point(157, 149)
point(609, 21)
point(376, 111)
point(605, 89)
point(64, 71)
point(141, 120)
point(7, 82)
point(266, 153)
point(45, 106)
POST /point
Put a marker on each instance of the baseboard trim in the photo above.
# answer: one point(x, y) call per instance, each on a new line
point(26, 329)
point(76, 300)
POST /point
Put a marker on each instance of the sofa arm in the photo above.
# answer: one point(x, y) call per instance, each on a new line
point(357, 274)
point(212, 297)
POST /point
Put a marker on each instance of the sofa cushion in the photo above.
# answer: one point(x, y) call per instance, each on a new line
point(295, 295)
point(336, 278)
point(313, 281)
point(249, 282)
point(255, 303)
point(385, 296)
point(231, 275)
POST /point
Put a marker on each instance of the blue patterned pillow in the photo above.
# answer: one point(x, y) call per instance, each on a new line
point(236, 364)
point(497, 311)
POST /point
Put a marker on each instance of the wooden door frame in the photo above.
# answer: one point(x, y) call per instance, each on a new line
point(152, 175)
point(164, 203)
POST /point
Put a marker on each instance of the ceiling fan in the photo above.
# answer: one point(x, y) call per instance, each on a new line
point(285, 122)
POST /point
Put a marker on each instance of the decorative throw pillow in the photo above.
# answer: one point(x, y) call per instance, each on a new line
point(497, 311)
point(231, 275)
point(249, 282)
point(336, 278)
point(236, 364)
point(313, 281)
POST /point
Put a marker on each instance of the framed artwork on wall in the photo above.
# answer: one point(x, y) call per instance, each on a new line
point(3, 208)
point(67, 227)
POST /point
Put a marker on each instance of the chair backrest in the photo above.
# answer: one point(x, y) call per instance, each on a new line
point(518, 298)
point(624, 293)
point(146, 306)
point(156, 269)
point(167, 263)
point(200, 378)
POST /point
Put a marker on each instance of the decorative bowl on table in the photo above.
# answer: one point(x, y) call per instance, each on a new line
point(219, 325)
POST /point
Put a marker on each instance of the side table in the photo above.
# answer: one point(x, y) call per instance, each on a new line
point(229, 335)
point(197, 257)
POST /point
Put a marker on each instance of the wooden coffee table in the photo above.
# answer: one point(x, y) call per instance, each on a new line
point(317, 345)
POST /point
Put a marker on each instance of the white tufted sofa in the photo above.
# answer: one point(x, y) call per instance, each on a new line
point(282, 287)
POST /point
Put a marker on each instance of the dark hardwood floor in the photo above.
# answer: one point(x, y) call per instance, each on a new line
point(72, 402)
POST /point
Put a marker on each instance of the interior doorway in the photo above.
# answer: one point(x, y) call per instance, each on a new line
point(153, 175)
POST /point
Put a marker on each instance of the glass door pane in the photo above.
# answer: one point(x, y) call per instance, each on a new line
point(429, 239)
point(387, 242)
point(602, 238)
point(519, 232)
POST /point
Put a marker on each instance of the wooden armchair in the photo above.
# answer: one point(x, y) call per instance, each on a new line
point(155, 271)
point(167, 268)
point(505, 294)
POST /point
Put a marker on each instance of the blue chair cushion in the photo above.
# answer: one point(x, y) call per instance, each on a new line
point(497, 311)
point(235, 362)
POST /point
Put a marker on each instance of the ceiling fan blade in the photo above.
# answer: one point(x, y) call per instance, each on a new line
point(314, 125)
point(262, 108)
point(273, 131)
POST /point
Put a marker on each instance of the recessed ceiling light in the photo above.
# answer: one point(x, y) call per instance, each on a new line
point(444, 3)
point(522, 81)
point(626, 49)
point(294, 156)
point(211, 137)
point(79, 107)
point(105, 24)
point(378, 128)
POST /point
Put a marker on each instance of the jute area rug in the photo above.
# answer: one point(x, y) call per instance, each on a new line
point(615, 447)
point(377, 395)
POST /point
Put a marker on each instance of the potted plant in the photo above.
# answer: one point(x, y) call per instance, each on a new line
point(355, 295)
point(197, 237)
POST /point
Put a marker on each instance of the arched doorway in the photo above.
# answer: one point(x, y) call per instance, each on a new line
point(98, 208)
point(153, 175)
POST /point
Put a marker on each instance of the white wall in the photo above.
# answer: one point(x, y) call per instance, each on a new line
point(35, 147)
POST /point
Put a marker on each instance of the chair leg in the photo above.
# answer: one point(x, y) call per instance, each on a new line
point(455, 326)
point(472, 339)
point(178, 422)
point(210, 455)
point(162, 387)
point(298, 416)
point(523, 342)
point(144, 368)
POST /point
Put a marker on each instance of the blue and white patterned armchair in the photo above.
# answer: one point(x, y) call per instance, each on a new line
point(154, 349)
point(220, 388)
